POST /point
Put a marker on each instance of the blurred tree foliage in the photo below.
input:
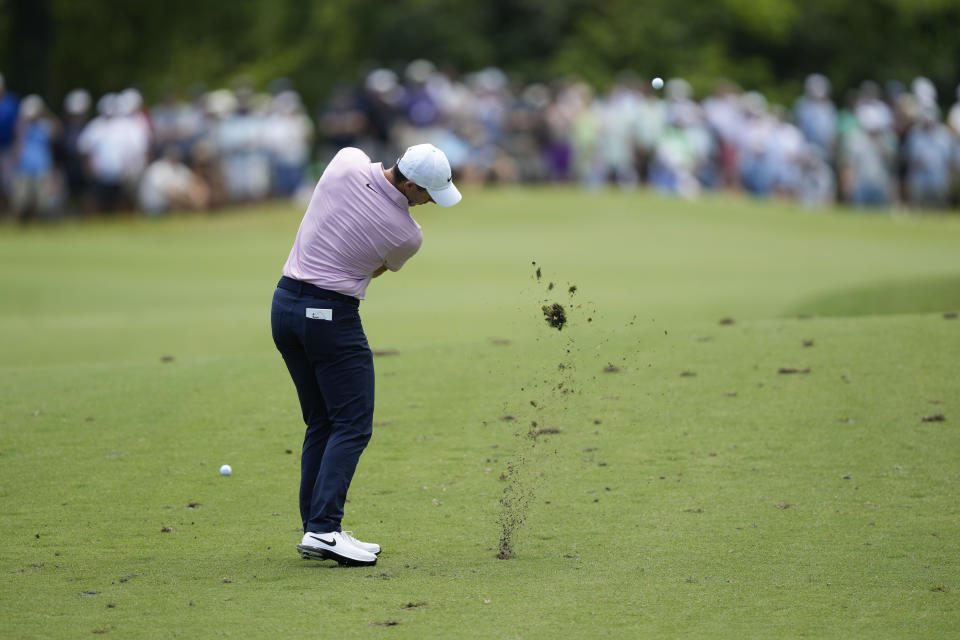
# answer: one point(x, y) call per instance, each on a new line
point(52, 46)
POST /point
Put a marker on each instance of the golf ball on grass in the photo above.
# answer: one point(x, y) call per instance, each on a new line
point(657, 83)
point(225, 470)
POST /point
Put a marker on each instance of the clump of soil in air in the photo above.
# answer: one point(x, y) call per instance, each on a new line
point(611, 368)
point(538, 274)
point(688, 374)
point(937, 417)
point(727, 321)
point(792, 370)
point(555, 315)
point(572, 289)
point(808, 343)
point(950, 315)
point(385, 352)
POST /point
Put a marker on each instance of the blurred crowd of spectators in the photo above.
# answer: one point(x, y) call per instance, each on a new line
point(222, 147)
point(880, 147)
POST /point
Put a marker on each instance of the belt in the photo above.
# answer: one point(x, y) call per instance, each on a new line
point(306, 289)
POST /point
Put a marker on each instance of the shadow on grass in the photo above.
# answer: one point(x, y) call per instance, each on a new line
point(920, 295)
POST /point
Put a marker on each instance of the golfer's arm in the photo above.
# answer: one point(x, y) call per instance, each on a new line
point(379, 271)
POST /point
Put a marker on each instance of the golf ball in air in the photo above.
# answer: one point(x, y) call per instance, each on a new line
point(657, 83)
point(225, 470)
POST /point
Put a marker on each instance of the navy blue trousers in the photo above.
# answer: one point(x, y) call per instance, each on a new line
point(321, 339)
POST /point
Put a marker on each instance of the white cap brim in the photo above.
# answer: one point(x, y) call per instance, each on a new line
point(447, 196)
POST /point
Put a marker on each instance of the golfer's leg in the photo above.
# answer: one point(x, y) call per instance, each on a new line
point(318, 426)
point(348, 389)
point(285, 322)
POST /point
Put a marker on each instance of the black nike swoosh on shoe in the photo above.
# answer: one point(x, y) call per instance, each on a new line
point(331, 543)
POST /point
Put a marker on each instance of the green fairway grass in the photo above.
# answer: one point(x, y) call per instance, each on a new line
point(747, 428)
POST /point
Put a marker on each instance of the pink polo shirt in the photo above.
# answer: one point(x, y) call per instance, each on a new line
point(355, 223)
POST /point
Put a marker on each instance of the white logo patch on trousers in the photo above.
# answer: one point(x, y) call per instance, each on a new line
point(320, 314)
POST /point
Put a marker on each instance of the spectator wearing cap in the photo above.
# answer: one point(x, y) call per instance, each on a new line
point(528, 134)
point(9, 108)
point(558, 150)
point(953, 116)
point(420, 108)
point(757, 173)
point(785, 150)
point(953, 121)
point(164, 121)
point(868, 160)
point(382, 103)
point(816, 116)
point(244, 160)
point(870, 107)
point(76, 113)
point(682, 153)
point(35, 190)
point(723, 113)
point(342, 120)
point(616, 118)
point(928, 150)
point(287, 133)
point(134, 136)
point(102, 148)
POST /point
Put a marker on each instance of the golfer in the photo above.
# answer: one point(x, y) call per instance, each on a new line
point(357, 226)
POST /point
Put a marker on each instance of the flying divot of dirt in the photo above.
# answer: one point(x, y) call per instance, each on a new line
point(514, 503)
point(520, 480)
point(555, 315)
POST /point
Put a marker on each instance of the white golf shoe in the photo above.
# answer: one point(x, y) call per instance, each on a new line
point(371, 547)
point(335, 546)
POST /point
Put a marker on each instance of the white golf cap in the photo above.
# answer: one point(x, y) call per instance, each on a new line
point(428, 167)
